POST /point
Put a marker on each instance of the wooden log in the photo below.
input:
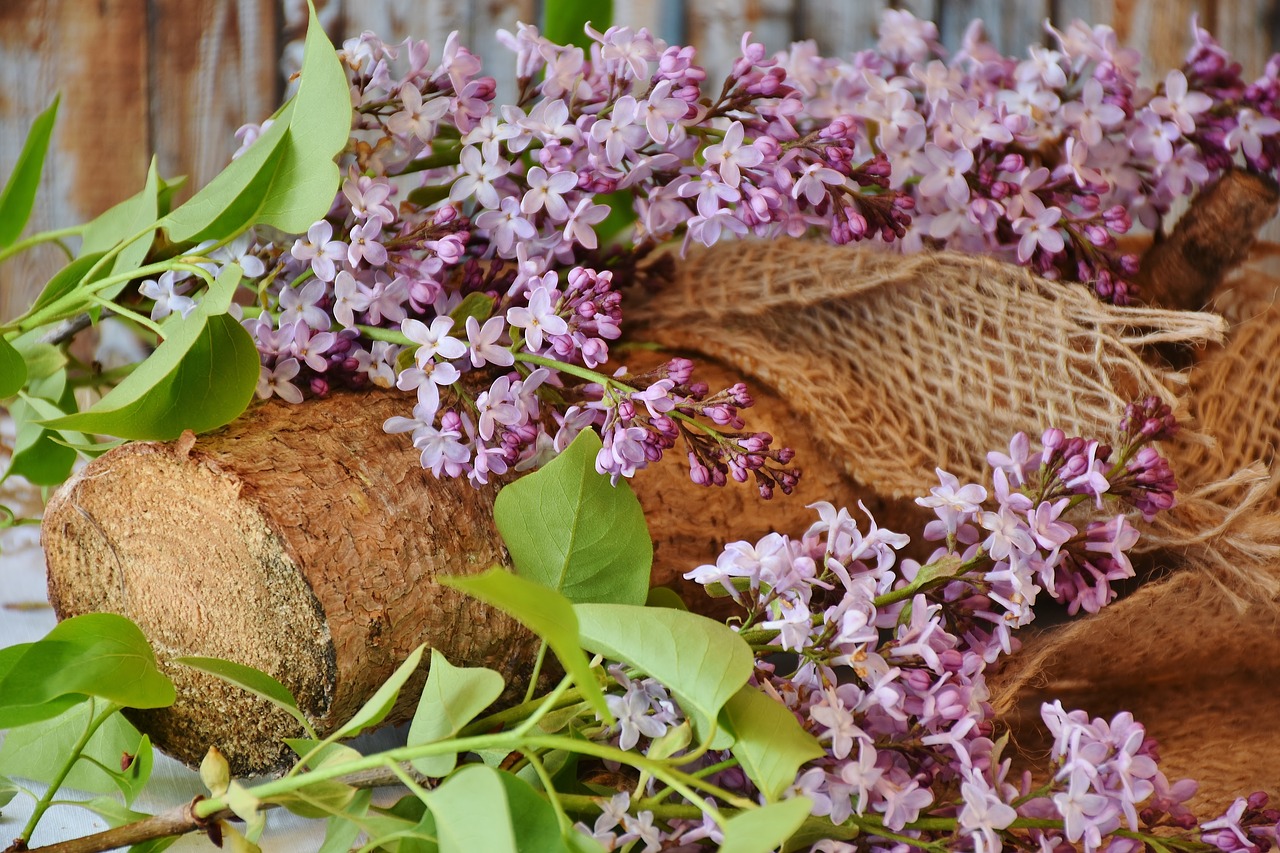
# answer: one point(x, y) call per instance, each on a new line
point(305, 541)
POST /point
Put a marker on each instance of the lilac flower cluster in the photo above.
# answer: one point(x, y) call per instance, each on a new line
point(885, 660)
point(471, 255)
point(477, 254)
point(1043, 160)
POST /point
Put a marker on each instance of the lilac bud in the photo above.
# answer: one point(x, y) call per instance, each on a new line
point(680, 370)
point(1011, 163)
point(445, 215)
point(319, 386)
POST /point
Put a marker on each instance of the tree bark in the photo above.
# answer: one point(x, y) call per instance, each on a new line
point(306, 542)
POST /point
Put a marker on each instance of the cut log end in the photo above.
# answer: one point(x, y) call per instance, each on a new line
point(298, 550)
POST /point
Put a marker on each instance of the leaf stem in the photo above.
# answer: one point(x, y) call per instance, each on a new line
point(42, 237)
point(42, 805)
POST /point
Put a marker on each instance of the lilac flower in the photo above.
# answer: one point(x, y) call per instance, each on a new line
point(506, 226)
point(303, 304)
point(427, 381)
point(732, 156)
point(548, 191)
point(1247, 135)
point(495, 406)
point(538, 319)
point(433, 341)
point(364, 244)
point(1039, 232)
point(310, 348)
point(1091, 115)
point(443, 452)
point(813, 181)
point(659, 111)
point(632, 710)
point(418, 118)
point(349, 296)
point(946, 176)
point(276, 381)
point(579, 225)
point(240, 251)
point(984, 814)
point(902, 802)
point(320, 250)
point(951, 501)
point(167, 301)
point(482, 343)
point(368, 197)
point(479, 172)
point(1178, 104)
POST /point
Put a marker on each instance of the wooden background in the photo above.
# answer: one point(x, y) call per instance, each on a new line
point(177, 77)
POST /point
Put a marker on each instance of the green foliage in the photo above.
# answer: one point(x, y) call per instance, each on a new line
point(569, 530)
point(563, 20)
point(375, 710)
point(769, 743)
point(287, 179)
point(13, 370)
point(547, 613)
point(451, 698)
point(764, 829)
point(703, 662)
point(8, 790)
point(132, 219)
point(98, 654)
point(19, 194)
point(255, 681)
point(201, 377)
point(37, 455)
point(37, 752)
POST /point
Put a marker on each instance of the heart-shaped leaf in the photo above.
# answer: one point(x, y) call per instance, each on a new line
point(451, 698)
point(570, 530)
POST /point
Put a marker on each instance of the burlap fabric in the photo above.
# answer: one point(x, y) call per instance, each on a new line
point(1195, 655)
point(903, 363)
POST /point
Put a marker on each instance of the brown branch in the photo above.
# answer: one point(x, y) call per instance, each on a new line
point(1212, 238)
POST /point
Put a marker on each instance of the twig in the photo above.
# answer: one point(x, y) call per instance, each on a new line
point(68, 329)
point(183, 819)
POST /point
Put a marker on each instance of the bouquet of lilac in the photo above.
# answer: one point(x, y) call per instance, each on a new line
point(887, 661)
point(478, 250)
point(1043, 160)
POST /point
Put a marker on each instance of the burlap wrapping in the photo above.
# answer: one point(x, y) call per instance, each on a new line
point(1196, 656)
point(902, 363)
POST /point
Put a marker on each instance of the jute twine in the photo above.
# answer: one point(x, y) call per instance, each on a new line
point(904, 363)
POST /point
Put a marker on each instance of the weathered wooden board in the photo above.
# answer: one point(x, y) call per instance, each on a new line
point(177, 77)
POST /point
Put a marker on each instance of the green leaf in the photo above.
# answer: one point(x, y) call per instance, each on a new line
point(563, 20)
point(665, 596)
point(135, 777)
point(69, 278)
point(768, 742)
point(451, 698)
point(702, 661)
point(124, 220)
point(98, 654)
point(255, 681)
point(548, 614)
point(478, 305)
point(380, 704)
point(8, 790)
point(19, 195)
point(42, 359)
point(532, 817)
point(342, 829)
point(766, 828)
point(471, 812)
point(325, 798)
point(308, 178)
point(37, 752)
point(287, 178)
point(13, 369)
point(36, 455)
point(568, 529)
point(202, 377)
